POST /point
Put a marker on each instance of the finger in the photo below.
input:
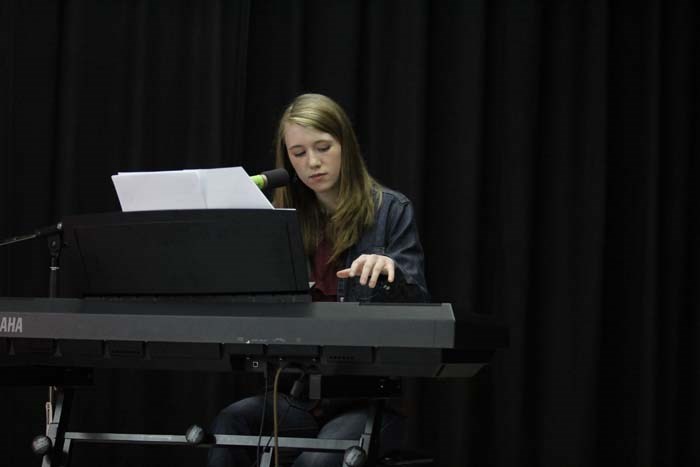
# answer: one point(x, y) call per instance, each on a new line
point(390, 268)
point(343, 273)
point(356, 265)
point(376, 271)
point(367, 269)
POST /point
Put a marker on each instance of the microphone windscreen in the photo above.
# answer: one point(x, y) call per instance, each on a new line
point(276, 178)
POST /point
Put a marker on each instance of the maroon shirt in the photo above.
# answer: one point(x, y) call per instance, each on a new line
point(325, 288)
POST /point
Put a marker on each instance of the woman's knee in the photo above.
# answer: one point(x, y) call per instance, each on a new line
point(238, 418)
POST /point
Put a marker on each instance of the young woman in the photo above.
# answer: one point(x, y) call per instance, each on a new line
point(362, 244)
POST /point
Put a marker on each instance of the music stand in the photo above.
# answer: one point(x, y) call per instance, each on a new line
point(219, 252)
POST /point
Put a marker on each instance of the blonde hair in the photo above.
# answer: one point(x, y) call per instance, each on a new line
point(356, 201)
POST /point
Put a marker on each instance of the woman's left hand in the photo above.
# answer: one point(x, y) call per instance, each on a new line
point(369, 267)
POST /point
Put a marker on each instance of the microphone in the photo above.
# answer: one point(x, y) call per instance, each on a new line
point(274, 178)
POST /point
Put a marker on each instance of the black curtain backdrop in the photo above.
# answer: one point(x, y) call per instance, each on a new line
point(549, 148)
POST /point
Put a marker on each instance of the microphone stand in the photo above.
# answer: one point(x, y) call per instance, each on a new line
point(53, 232)
point(55, 242)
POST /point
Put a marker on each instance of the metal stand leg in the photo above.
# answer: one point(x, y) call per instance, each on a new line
point(59, 455)
point(65, 453)
point(373, 428)
point(266, 459)
point(367, 451)
point(49, 409)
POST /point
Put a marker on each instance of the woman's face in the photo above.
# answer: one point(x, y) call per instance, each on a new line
point(316, 158)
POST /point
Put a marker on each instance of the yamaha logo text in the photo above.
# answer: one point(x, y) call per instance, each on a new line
point(11, 324)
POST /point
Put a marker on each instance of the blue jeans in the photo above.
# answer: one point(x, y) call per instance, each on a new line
point(243, 418)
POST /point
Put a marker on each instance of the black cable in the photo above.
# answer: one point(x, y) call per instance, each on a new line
point(269, 439)
point(259, 448)
point(262, 423)
point(275, 422)
point(288, 399)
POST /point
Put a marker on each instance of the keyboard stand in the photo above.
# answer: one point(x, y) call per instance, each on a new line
point(55, 446)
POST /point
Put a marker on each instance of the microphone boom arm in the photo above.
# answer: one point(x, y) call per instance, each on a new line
point(38, 233)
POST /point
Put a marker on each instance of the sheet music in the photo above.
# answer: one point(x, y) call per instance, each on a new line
point(222, 188)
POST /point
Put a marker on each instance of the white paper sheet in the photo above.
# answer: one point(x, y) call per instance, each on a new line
point(231, 188)
point(224, 188)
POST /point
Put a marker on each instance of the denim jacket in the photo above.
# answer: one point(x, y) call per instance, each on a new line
point(393, 234)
